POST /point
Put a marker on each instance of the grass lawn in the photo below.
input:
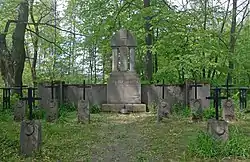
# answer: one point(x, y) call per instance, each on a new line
point(109, 137)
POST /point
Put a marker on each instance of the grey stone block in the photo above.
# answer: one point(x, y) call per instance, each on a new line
point(52, 111)
point(218, 129)
point(19, 111)
point(83, 111)
point(228, 113)
point(30, 137)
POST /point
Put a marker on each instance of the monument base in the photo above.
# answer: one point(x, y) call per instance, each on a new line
point(117, 107)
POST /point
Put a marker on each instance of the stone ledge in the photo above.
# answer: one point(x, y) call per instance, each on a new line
point(118, 107)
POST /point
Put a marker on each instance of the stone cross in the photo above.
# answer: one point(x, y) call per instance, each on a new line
point(123, 47)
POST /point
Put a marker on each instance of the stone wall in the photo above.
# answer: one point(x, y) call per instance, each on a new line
point(97, 94)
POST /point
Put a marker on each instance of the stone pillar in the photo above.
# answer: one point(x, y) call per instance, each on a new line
point(114, 59)
point(19, 110)
point(52, 111)
point(30, 137)
point(163, 109)
point(218, 129)
point(132, 59)
point(228, 113)
point(83, 111)
point(123, 58)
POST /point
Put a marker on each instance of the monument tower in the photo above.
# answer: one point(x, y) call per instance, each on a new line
point(123, 87)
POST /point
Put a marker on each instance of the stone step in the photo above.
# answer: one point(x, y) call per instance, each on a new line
point(118, 107)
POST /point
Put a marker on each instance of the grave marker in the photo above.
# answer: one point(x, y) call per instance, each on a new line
point(52, 110)
point(163, 108)
point(217, 128)
point(228, 105)
point(83, 107)
point(195, 103)
point(31, 130)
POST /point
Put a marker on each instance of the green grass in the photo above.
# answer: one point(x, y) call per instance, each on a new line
point(113, 137)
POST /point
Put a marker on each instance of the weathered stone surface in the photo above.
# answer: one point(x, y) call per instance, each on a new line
point(218, 129)
point(228, 113)
point(52, 111)
point(129, 107)
point(163, 109)
point(19, 111)
point(124, 88)
point(30, 137)
point(83, 111)
point(196, 106)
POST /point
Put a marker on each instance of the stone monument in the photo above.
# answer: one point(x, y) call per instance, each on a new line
point(19, 110)
point(52, 111)
point(228, 113)
point(123, 87)
point(30, 137)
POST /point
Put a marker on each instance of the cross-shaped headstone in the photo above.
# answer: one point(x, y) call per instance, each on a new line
point(52, 86)
point(216, 99)
point(30, 100)
point(195, 85)
point(163, 85)
point(84, 89)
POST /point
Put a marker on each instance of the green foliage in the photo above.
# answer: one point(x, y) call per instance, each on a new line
point(180, 110)
point(95, 109)
point(204, 146)
point(209, 113)
point(64, 109)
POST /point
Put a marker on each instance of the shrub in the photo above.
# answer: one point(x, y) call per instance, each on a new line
point(95, 109)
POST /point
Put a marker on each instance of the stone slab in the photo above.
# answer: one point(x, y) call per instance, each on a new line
point(124, 88)
point(163, 109)
point(30, 137)
point(196, 106)
point(218, 129)
point(19, 110)
point(83, 113)
point(228, 113)
point(129, 107)
point(52, 111)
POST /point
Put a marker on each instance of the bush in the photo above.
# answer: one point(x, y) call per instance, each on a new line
point(95, 109)
point(209, 113)
point(204, 146)
point(66, 108)
point(180, 110)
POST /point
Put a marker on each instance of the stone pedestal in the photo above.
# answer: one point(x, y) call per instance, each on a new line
point(118, 107)
point(52, 111)
point(19, 111)
point(163, 109)
point(124, 88)
point(30, 137)
point(228, 113)
point(218, 129)
point(83, 111)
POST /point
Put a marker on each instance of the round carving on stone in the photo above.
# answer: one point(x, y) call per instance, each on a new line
point(197, 104)
point(20, 104)
point(30, 129)
point(228, 103)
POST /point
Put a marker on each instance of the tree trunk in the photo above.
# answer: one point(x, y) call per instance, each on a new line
point(12, 61)
point(232, 42)
point(149, 38)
